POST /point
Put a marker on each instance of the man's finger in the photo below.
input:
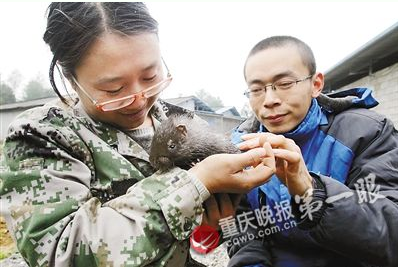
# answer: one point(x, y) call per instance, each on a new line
point(204, 219)
point(258, 139)
point(280, 170)
point(235, 199)
point(269, 160)
point(225, 205)
point(250, 143)
point(211, 206)
point(249, 136)
point(289, 156)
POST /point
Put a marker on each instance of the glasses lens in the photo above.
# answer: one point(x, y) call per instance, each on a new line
point(156, 89)
point(128, 100)
point(120, 103)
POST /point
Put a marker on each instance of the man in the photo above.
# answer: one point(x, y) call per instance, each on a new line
point(334, 198)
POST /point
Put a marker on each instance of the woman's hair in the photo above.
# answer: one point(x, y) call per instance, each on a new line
point(72, 27)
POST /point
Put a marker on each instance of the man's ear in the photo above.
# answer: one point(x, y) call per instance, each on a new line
point(317, 84)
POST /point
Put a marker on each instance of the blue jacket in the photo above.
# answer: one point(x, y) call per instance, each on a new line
point(341, 149)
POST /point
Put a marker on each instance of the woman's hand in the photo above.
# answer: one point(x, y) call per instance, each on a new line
point(290, 165)
point(236, 173)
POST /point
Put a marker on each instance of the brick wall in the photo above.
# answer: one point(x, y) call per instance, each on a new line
point(385, 89)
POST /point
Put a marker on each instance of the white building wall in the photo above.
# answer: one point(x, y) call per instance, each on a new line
point(385, 87)
point(5, 119)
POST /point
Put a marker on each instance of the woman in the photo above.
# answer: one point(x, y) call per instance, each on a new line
point(77, 187)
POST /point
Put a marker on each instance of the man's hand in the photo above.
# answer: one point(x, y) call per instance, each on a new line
point(219, 206)
point(236, 173)
point(290, 165)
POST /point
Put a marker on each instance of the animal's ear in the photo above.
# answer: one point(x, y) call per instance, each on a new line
point(182, 129)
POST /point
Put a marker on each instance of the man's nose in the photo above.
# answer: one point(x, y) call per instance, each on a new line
point(271, 98)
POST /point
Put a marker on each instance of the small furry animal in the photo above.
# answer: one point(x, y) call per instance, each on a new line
point(183, 140)
point(335, 104)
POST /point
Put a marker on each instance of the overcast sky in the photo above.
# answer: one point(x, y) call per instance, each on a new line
point(205, 44)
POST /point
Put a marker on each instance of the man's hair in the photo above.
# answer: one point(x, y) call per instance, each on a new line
point(73, 26)
point(280, 41)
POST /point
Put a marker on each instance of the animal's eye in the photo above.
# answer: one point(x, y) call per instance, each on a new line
point(171, 145)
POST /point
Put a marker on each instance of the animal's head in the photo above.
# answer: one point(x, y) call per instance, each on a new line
point(167, 143)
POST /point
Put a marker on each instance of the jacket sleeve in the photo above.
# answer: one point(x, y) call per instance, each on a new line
point(360, 218)
point(245, 252)
point(46, 200)
point(252, 254)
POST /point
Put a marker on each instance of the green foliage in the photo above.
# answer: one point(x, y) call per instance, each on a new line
point(15, 79)
point(36, 89)
point(212, 101)
point(246, 110)
point(3, 255)
point(6, 94)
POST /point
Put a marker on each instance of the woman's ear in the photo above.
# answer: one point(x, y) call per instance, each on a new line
point(317, 84)
point(65, 76)
point(69, 78)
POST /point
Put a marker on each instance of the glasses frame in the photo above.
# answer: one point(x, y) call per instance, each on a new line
point(247, 93)
point(100, 105)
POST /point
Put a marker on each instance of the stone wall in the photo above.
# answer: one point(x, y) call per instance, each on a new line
point(385, 86)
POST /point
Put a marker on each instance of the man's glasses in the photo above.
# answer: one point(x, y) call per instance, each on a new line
point(282, 85)
point(114, 104)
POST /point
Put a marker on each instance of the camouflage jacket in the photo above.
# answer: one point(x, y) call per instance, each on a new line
point(76, 192)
